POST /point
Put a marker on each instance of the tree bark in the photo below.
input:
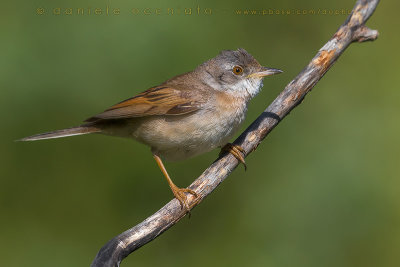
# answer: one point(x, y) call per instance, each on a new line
point(352, 30)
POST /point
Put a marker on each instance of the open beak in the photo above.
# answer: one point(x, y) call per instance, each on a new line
point(265, 72)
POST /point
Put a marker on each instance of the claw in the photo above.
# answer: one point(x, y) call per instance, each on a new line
point(180, 195)
point(236, 151)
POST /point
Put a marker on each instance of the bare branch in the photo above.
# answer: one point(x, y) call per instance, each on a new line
point(353, 30)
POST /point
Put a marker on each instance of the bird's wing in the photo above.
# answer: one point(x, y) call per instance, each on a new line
point(159, 100)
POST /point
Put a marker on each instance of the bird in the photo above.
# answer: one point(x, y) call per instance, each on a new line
point(187, 115)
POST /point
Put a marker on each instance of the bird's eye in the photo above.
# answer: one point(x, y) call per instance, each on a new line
point(237, 70)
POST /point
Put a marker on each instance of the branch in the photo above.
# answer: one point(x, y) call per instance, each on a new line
point(353, 30)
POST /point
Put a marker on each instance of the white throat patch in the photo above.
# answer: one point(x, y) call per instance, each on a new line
point(247, 88)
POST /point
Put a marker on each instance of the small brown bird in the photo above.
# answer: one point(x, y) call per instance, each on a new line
point(185, 116)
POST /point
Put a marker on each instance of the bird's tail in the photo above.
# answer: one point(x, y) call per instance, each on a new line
point(63, 133)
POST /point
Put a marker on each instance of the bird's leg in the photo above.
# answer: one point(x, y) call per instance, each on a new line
point(179, 193)
point(236, 151)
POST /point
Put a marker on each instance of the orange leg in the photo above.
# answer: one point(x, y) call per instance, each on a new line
point(236, 151)
point(179, 193)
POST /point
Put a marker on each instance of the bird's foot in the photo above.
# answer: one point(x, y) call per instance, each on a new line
point(180, 195)
point(236, 151)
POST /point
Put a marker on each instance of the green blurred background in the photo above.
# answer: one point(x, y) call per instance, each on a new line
point(322, 189)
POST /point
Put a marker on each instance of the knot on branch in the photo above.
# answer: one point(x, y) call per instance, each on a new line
point(363, 33)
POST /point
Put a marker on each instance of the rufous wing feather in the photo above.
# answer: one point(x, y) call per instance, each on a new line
point(161, 100)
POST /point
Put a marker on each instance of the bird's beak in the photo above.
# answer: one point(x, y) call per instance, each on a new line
point(265, 72)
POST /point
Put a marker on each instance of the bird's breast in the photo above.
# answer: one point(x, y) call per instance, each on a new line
point(180, 137)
